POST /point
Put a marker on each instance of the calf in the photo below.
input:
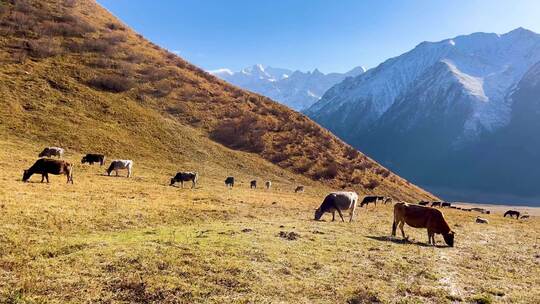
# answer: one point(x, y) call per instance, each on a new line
point(44, 166)
point(92, 158)
point(229, 182)
point(182, 177)
point(253, 184)
point(52, 151)
point(369, 200)
point(338, 201)
point(422, 217)
point(299, 189)
point(120, 164)
point(268, 184)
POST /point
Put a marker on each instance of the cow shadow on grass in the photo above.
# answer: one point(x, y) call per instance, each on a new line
point(402, 241)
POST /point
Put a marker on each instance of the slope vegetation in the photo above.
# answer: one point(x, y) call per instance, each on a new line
point(73, 75)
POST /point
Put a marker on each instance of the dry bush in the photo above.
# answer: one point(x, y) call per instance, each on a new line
point(241, 133)
point(152, 73)
point(111, 83)
point(103, 63)
point(135, 57)
point(162, 88)
point(115, 26)
point(372, 184)
point(383, 172)
point(23, 6)
point(42, 48)
point(96, 45)
point(115, 38)
point(70, 3)
point(331, 171)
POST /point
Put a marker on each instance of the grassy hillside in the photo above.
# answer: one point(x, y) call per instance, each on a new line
point(118, 240)
point(72, 75)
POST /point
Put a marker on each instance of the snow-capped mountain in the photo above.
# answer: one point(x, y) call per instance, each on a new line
point(296, 89)
point(433, 104)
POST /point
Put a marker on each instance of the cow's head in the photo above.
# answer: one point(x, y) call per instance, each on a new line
point(83, 160)
point(172, 182)
point(318, 214)
point(26, 175)
point(449, 238)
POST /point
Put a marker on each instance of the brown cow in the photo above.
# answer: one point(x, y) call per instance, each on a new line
point(422, 217)
point(44, 166)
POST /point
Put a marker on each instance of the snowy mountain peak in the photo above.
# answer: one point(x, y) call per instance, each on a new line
point(296, 89)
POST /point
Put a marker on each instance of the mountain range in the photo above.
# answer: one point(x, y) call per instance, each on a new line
point(295, 89)
point(450, 115)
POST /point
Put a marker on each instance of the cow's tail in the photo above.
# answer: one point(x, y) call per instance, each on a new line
point(70, 173)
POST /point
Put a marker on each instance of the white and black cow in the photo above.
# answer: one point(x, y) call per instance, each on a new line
point(182, 177)
point(229, 182)
point(52, 151)
point(120, 164)
point(338, 201)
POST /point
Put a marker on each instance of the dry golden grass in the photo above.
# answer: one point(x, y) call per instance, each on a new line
point(118, 240)
point(72, 75)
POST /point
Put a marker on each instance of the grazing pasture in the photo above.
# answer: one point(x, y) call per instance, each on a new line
point(111, 240)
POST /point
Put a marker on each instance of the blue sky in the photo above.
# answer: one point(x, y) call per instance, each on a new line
point(333, 36)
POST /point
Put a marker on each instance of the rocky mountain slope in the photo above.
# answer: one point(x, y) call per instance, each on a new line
point(433, 104)
point(295, 89)
point(73, 75)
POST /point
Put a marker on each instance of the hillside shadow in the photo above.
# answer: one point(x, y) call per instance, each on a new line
point(402, 241)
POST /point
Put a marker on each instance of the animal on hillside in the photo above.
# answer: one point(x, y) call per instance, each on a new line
point(120, 164)
point(52, 151)
point(423, 203)
point(466, 209)
point(268, 184)
point(46, 166)
point(453, 207)
point(435, 204)
point(369, 200)
point(512, 213)
point(387, 200)
point(253, 184)
point(92, 158)
point(299, 189)
point(525, 216)
point(422, 217)
point(445, 204)
point(182, 177)
point(481, 220)
point(338, 201)
point(481, 210)
point(229, 182)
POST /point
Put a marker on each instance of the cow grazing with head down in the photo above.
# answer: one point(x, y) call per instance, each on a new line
point(446, 204)
point(46, 166)
point(268, 185)
point(120, 164)
point(369, 200)
point(422, 217)
point(92, 158)
point(52, 151)
point(481, 220)
point(299, 189)
point(435, 204)
point(229, 182)
point(423, 203)
point(512, 213)
point(338, 201)
point(182, 177)
point(253, 184)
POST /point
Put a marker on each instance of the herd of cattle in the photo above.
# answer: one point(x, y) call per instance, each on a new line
point(421, 215)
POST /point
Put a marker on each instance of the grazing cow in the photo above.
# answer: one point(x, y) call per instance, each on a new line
point(119, 164)
point(511, 213)
point(480, 220)
point(182, 177)
point(525, 216)
point(44, 166)
point(91, 158)
point(52, 151)
point(422, 217)
point(435, 204)
point(268, 185)
point(487, 212)
point(387, 200)
point(423, 203)
point(337, 201)
point(229, 182)
point(299, 189)
point(453, 207)
point(369, 200)
point(445, 204)
point(253, 184)
point(481, 210)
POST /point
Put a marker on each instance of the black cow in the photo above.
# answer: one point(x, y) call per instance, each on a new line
point(369, 200)
point(92, 158)
point(253, 184)
point(182, 177)
point(435, 204)
point(423, 203)
point(229, 181)
point(511, 213)
point(445, 204)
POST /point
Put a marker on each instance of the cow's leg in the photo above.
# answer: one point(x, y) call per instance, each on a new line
point(42, 177)
point(47, 177)
point(182, 184)
point(193, 184)
point(340, 214)
point(333, 215)
point(352, 213)
point(116, 170)
point(401, 224)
